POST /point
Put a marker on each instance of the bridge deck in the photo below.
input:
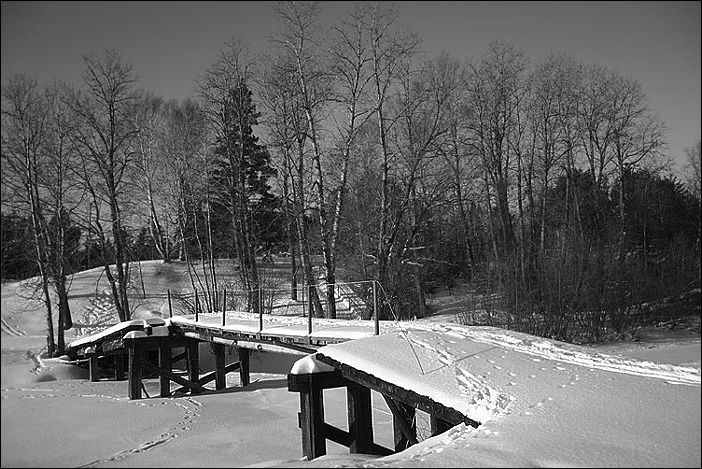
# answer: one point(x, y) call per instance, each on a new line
point(238, 326)
point(277, 329)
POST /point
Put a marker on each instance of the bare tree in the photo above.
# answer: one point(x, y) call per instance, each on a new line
point(350, 64)
point(149, 120)
point(224, 91)
point(105, 138)
point(390, 50)
point(298, 21)
point(493, 88)
point(637, 134)
point(65, 195)
point(692, 173)
point(183, 138)
point(23, 136)
point(282, 121)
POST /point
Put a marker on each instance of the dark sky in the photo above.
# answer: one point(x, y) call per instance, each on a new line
point(170, 43)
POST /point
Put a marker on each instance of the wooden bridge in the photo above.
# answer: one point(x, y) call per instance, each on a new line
point(147, 347)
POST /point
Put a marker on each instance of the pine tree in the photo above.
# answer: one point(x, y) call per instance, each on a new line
point(243, 204)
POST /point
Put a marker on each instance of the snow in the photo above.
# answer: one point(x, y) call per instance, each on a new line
point(155, 322)
point(285, 326)
point(309, 365)
point(541, 402)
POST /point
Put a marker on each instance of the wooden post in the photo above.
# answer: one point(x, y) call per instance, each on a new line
point(135, 358)
point(375, 310)
point(360, 418)
point(220, 373)
point(164, 362)
point(119, 366)
point(260, 314)
point(197, 307)
point(438, 426)
point(244, 366)
point(193, 354)
point(170, 308)
point(309, 309)
point(94, 370)
point(224, 308)
point(314, 442)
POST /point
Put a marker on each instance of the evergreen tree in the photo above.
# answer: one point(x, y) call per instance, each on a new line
point(243, 207)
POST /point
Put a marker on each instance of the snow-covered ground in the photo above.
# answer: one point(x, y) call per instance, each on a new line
point(541, 403)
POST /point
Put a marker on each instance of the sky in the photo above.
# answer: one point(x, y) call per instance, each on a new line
point(170, 44)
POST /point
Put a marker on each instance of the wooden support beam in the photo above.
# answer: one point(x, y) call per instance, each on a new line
point(164, 362)
point(314, 442)
point(244, 366)
point(438, 425)
point(135, 363)
point(403, 423)
point(193, 352)
point(94, 368)
point(220, 373)
point(341, 437)
point(360, 418)
point(324, 380)
point(212, 375)
point(337, 435)
point(179, 357)
point(119, 366)
point(194, 386)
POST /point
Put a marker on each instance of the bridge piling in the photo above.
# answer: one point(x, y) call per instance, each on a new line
point(164, 362)
point(119, 366)
point(220, 372)
point(94, 369)
point(244, 366)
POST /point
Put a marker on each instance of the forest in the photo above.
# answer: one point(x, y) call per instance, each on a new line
point(544, 184)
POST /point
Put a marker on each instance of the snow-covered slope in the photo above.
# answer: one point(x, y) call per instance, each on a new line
point(541, 402)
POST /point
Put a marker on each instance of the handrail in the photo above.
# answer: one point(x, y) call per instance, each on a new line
point(343, 291)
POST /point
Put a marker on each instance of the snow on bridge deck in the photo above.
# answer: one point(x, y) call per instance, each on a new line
point(283, 327)
point(243, 325)
point(540, 402)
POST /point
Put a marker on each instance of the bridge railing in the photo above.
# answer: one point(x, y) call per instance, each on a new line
point(348, 297)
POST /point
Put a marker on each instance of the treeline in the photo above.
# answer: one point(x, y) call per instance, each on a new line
point(541, 183)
